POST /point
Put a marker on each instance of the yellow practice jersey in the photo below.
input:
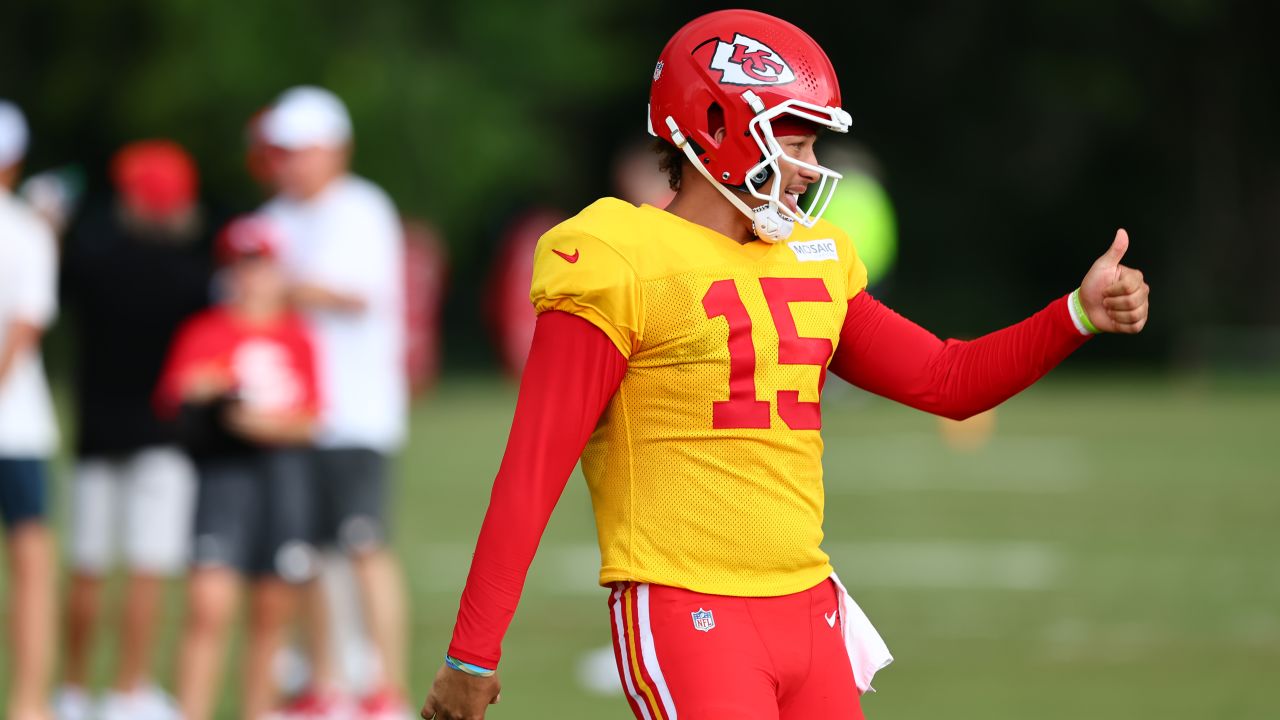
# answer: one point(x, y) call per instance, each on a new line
point(706, 468)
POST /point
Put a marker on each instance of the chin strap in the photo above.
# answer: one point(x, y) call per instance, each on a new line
point(771, 225)
point(766, 222)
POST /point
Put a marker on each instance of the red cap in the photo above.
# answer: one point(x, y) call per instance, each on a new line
point(248, 236)
point(155, 177)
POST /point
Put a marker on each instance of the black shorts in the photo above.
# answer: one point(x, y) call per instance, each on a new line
point(255, 514)
point(23, 487)
point(351, 502)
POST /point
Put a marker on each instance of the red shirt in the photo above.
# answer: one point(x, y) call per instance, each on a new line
point(271, 365)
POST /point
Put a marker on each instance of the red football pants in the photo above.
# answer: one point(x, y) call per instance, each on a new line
point(692, 656)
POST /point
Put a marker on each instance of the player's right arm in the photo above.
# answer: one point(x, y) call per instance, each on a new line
point(576, 364)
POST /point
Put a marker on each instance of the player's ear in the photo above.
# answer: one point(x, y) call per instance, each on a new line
point(715, 119)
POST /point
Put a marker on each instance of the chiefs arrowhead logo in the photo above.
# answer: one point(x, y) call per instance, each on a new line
point(747, 61)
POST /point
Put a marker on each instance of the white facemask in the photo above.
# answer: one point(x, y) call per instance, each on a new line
point(774, 220)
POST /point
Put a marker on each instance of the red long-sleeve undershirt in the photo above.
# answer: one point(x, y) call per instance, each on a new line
point(884, 353)
point(574, 370)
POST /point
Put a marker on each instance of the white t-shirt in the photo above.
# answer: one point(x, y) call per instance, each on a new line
point(28, 280)
point(348, 239)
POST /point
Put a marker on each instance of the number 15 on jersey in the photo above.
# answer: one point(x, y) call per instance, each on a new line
point(744, 409)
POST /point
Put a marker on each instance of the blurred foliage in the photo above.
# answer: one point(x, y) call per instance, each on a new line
point(1014, 136)
point(454, 104)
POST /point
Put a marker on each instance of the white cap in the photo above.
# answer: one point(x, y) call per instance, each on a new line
point(13, 135)
point(307, 116)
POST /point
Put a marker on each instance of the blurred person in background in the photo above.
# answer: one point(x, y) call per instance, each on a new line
point(28, 432)
point(426, 265)
point(240, 381)
point(257, 153)
point(55, 195)
point(638, 177)
point(344, 255)
point(134, 268)
point(506, 296)
point(426, 278)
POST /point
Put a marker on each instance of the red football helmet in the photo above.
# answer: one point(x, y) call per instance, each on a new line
point(750, 73)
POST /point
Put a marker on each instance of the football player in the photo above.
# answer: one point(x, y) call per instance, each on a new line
point(681, 353)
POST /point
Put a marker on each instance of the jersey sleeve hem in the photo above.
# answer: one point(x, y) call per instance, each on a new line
point(466, 656)
point(625, 342)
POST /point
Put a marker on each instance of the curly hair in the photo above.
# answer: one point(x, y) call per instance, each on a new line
point(671, 161)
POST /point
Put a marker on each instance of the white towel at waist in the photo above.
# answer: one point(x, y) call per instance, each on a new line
point(867, 652)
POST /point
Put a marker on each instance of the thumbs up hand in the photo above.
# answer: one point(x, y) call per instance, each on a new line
point(1115, 296)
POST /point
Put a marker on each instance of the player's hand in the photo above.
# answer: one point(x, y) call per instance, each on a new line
point(456, 695)
point(1115, 296)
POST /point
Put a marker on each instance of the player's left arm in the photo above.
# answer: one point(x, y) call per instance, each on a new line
point(889, 355)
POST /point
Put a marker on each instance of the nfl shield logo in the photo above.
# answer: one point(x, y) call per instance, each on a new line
point(703, 620)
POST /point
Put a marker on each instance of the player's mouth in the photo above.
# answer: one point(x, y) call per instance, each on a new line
point(792, 200)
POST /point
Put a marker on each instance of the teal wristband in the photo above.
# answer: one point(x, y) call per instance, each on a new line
point(472, 670)
point(1082, 321)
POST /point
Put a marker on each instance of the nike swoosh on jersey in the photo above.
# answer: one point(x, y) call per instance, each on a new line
point(567, 258)
point(831, 619)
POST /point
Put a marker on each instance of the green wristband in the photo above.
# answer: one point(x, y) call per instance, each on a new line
point(1082, 317)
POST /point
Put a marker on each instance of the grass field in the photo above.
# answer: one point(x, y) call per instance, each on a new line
point(1112, 552)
